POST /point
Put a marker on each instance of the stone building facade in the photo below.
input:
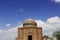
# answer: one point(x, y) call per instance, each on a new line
point(29, 31)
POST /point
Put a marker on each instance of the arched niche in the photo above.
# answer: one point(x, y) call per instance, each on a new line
point(29, 37)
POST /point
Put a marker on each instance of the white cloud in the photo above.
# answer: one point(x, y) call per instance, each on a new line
point(52, 24)
point(8, 25)
point(21, 10)
point(53, 20)
point(56, 0)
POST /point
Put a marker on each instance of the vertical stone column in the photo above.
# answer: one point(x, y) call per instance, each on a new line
point(39, 33)
point(34, 34)
point(20, 33)
point(24, 34)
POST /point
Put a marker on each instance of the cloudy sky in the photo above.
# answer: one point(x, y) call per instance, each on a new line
point(13, 12)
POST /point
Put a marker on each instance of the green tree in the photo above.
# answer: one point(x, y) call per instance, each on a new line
point(56, 34)
point(46, 37)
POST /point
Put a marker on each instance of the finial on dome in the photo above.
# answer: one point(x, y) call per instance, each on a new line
point(29, 19)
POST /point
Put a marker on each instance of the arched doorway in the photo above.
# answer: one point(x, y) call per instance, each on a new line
point(30, 37)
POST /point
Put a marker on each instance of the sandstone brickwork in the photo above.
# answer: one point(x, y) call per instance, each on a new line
point(35, 32)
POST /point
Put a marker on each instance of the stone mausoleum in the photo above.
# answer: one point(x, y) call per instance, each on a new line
point(29, 31)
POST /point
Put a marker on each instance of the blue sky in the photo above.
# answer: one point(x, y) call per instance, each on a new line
point(46, 13)
point(14, 11)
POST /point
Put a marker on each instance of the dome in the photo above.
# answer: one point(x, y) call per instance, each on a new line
point(29, 22)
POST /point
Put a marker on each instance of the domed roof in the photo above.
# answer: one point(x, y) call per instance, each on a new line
point(29, 22)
